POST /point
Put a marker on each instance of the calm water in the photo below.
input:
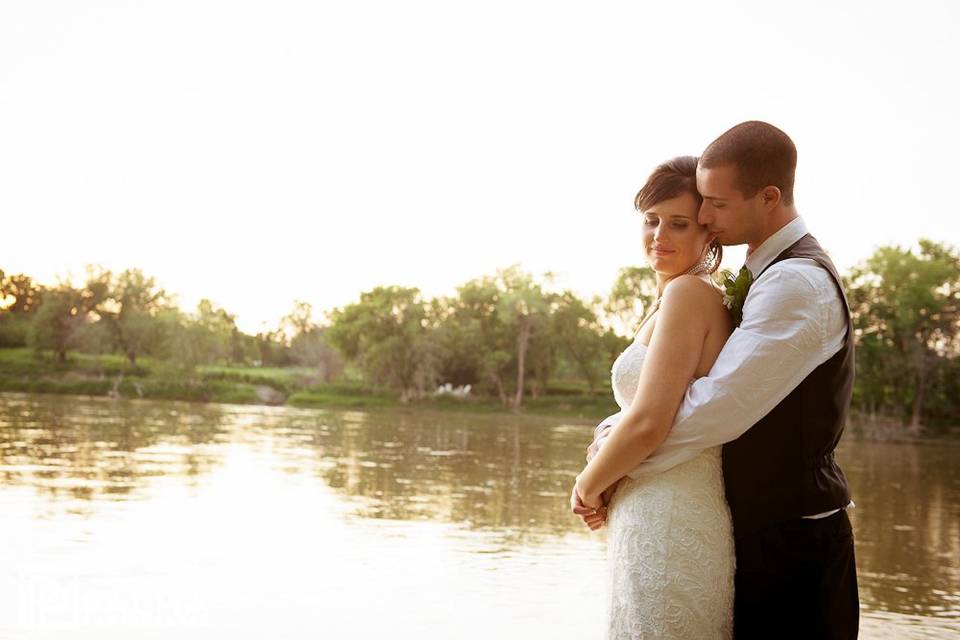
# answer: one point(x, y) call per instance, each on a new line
point(148, 519)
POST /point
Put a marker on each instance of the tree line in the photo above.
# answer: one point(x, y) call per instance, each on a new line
point(506, 334)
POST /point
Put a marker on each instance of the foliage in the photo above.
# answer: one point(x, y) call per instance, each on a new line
point(18, 294)
point(132, 311)
point(509, 335)
point(525, 312)
point(905, 306)
point(387, 334)
point(208, 336)
point(14, 330)
point(735, 288)
point(61, 316)
point(634, 290)
point(308, 342)
point(496, 333)
point(581, 338)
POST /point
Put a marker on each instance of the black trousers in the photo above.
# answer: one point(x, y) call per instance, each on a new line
point(797, 579)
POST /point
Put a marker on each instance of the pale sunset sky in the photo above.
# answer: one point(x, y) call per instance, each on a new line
point(260, 152)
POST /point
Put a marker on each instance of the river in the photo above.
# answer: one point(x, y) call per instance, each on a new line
point(142, 519)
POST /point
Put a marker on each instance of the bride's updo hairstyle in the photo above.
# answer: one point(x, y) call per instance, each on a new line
point(669, 180)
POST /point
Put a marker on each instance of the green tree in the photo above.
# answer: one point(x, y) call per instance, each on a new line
point(19, 299)
point(525, 312)
point(94, 337)
point(21, 291)
point(271, 348)
point(497, 330)
point(56, 322)
point(906, 309)
point(132, 312)
point(217, 336)
point(308, 343)
point(475, 338)
point(386, 333)
point(582, 339)
point(299, 321)
point(634, 290)
point(62, 315)
point(180, 340)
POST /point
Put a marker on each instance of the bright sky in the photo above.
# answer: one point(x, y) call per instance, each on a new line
point(259, 152)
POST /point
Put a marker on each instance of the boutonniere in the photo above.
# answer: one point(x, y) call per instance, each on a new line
point(735, 292)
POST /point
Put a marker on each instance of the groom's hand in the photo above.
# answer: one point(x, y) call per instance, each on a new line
point(600, 433)
point(607, 495)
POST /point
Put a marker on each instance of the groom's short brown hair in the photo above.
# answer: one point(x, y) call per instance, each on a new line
point(762, 154)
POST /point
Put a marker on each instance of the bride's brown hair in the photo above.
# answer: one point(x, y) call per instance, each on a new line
point(669, 180)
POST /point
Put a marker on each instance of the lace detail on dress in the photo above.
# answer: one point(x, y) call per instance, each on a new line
point(670, 542)
point(625, 373)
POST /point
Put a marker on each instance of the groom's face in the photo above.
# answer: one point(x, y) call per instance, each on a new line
point(725, 211)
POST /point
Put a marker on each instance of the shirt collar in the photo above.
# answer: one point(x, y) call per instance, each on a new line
point(773, 246)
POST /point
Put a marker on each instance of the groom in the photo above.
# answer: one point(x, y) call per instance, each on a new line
point(776, 398)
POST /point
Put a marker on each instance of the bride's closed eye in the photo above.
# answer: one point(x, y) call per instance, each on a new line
point(675, 224)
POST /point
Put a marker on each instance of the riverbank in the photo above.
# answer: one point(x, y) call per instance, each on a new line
point(886, 429)
point(23, 371)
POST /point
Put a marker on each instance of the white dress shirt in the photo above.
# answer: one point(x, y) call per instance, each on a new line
point(793, 321)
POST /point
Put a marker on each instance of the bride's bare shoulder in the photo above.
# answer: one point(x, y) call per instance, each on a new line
point(692, 290)
point(697, 303)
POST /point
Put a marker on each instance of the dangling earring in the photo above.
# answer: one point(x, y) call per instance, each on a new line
point(702, 265)
point(712, 258)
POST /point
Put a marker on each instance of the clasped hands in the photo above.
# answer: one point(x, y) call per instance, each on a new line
point(593, 512)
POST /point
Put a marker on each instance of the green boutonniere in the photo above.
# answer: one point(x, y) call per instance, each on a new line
point(735, 292)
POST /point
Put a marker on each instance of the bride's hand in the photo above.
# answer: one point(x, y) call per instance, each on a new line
point(593, 518)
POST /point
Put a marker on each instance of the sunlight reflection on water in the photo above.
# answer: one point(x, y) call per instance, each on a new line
point(158, 518)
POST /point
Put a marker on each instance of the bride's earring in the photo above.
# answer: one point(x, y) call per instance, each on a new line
point(703, 265)
point(716, 255)
point(711, 259)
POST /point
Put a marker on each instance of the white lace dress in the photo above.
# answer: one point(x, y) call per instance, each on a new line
point(670, 542)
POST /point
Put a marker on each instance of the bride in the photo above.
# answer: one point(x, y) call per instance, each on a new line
point(670, 537)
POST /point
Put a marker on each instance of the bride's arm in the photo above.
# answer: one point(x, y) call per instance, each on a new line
point(671, 360)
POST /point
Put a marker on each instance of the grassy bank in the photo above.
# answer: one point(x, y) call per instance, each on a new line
point(23, 370)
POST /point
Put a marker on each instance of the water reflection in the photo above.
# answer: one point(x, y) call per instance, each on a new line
point(907, 526)
point(488, 489)
point(509, 473)
point(485, 471)
point(71, 451)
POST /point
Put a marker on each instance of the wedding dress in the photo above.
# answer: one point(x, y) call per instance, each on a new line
point(669, 542)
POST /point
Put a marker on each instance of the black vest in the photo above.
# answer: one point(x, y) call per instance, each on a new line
point(783, 467)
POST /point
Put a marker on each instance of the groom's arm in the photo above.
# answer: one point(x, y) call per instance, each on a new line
point(793, 321)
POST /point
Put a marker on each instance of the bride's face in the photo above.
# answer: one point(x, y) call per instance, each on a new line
point(673, 240)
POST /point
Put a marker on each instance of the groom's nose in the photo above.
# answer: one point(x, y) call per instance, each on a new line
point(704, 216)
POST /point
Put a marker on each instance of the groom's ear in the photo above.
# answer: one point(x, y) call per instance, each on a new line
point(770, 197)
